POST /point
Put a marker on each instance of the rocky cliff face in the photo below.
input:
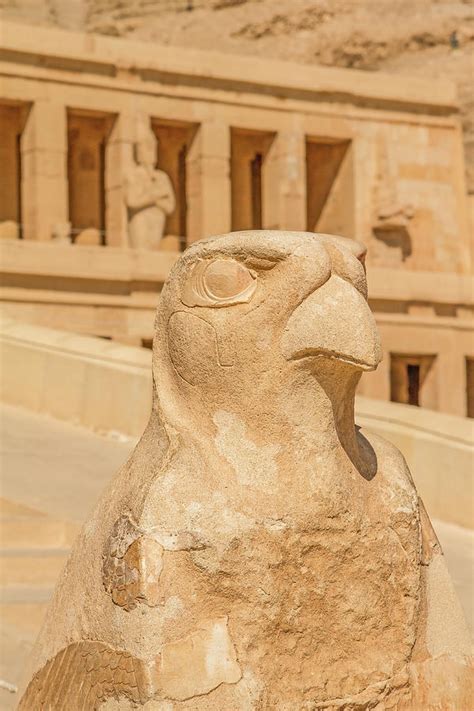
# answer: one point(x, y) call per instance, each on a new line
point(430, 38)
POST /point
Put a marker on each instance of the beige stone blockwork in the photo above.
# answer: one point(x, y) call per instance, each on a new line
point(208, 178)
point(444, 341)
point(118, 159)
point(420, 165)
point(44, 177)
point(95, 382)
point(90, 236)
point(420, 173)
point(119, 287)
point(284, 182)
point(432, 442)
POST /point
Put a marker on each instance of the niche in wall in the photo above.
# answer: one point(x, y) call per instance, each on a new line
point(87, 134)
point(174, 140)
point(249, 150)
point(12, 121)
point(330, 186)
point(412, 379)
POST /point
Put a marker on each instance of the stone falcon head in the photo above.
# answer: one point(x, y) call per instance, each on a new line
point(242, 312)
point(257, 550)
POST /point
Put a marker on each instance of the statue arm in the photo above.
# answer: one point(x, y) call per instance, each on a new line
point(166, 199)
point(138, 195)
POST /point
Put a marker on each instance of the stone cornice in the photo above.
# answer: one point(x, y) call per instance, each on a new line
point(149, 63)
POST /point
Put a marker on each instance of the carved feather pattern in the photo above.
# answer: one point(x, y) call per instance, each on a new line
point(83, 676)
point(132, 563)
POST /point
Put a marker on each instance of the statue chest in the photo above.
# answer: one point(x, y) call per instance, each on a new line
point(333, 601)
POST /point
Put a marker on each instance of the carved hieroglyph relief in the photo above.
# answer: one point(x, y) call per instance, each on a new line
point(392, 216)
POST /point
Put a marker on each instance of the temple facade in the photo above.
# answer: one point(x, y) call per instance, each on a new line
point(115, 155)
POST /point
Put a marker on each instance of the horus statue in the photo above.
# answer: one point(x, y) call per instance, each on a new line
point(149, 194)
point(258, 551)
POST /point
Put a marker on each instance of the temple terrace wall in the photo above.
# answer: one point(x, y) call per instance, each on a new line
point(66, 376)
point(233, 143)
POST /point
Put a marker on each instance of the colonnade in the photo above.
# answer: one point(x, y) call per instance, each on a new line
point(46, 195)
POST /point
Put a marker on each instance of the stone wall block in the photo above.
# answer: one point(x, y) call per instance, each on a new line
point(48, 164)
point(208, 181)
point(44, 170)
point(284, 182)
point(118, 159)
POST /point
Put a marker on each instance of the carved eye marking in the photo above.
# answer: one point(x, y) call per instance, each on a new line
point(225, 278)
point(220, 282)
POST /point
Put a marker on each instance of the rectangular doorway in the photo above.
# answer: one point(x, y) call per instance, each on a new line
point(248, 152)
point(411, 379)
point(174, 139)
point(12, 121)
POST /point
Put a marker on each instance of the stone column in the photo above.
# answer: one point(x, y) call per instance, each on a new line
point(284, 182)
point(208, 190)
point(44, 170)
point(118, 159)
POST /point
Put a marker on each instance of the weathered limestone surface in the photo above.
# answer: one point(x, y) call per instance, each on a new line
point(257, 551)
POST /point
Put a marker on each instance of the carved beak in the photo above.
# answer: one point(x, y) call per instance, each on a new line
point(334, 322)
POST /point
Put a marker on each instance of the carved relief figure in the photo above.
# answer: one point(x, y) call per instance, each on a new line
point(258, 551)
point(392, 216)
point(149, 193)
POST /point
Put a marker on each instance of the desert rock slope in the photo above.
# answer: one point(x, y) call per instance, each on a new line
point(430, 38)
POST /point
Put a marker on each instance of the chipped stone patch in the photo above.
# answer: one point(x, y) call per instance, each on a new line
point(133, 561)
point(199, 663)
point(254, 465)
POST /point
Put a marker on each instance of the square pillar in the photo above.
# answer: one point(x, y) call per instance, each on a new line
point(44, 170)
point(284, 182)
point(118, 160)
point(208, 189)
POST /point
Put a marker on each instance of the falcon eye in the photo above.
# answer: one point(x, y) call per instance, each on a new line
point(220, 282)
point(226, 278)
